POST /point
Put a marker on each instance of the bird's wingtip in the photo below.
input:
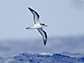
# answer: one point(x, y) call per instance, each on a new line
point(28, 7)
point(44, 43)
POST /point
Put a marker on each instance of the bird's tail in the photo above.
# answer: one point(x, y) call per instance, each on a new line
point(28, 28)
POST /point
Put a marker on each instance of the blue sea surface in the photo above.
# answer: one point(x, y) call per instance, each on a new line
point(42, 58)
point(61, 50)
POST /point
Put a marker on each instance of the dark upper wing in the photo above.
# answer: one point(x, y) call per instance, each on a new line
point(35, 14)
point(44, 35)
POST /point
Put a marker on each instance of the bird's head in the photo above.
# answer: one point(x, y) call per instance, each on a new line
point(43, 25)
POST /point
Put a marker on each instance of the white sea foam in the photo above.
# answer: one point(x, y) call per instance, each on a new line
point(43, 53)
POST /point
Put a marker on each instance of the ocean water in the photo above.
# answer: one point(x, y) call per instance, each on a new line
point(42, 58)
point(57, 50)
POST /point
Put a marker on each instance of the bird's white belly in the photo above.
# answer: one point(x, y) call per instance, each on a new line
point(36, 26)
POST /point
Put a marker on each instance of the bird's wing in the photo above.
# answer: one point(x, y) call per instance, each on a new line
point(36, 15)
point(44, 35)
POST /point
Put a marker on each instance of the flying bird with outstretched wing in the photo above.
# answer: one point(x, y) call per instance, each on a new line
point(37, 25)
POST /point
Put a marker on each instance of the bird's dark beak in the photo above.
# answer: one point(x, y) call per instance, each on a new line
point(46, 25)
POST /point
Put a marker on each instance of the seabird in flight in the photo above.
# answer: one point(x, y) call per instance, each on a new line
point(37, 25)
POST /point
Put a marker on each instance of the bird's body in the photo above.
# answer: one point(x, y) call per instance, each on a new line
point(37, 25)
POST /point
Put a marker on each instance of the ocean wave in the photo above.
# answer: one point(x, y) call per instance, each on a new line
point(42, 58)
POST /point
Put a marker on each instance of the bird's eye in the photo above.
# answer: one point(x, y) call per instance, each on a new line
point(42, 24)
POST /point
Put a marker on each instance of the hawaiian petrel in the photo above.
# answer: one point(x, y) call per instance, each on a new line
point(37, 25)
